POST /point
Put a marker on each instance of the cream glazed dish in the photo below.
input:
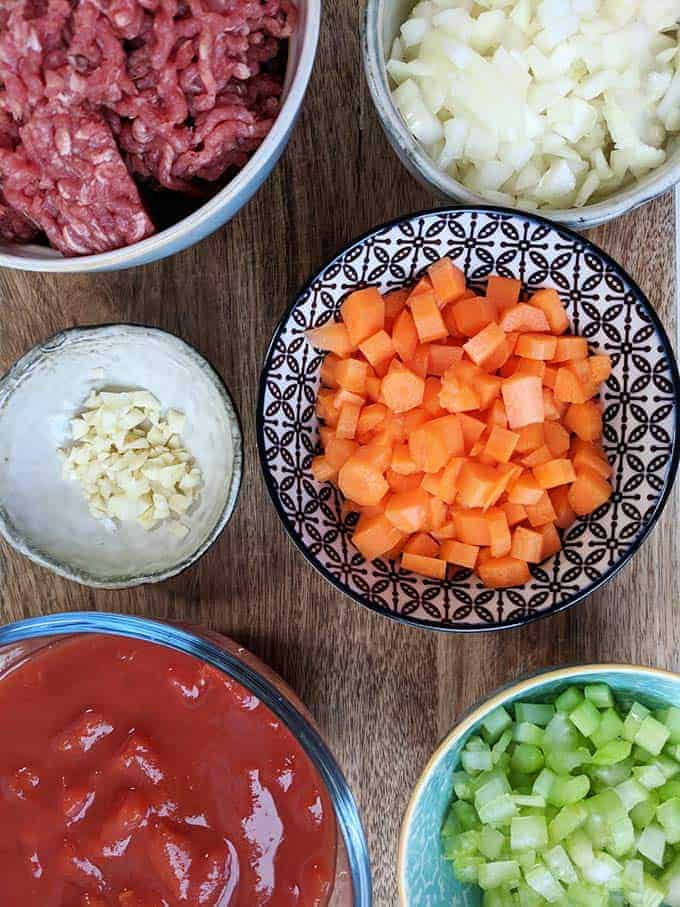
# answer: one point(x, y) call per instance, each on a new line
point(130, 463)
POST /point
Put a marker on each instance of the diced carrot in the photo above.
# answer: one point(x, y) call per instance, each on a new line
point(525, 490)
point(326, 434)
point(542, 454)
point(425, 566)
point(503, 291)
point(332, 337)
point(395, 553)
point(408, 510)
point(322, 470)
point(442, 358)
point(343, 396)
point(458, 553)
point(431, 403)
point(550, 539)
point(473, 315)
point(325, 406)
point(339, 450)
point(351, 375)
point(477, 483)
point(526, 545)
point(431, 482)
point(497, 414)
point(446, 531)
point(448, 280)
point(373, 388)
point(531, 437)
point(448, 484)
point(372, 416)
point(327, 371)
point(536, 346)
point(434, 443)
point(570, 348)
point(399, 482)
point(361, 481)
point(488, 388)
point(581, 369)
point(503, 572)
point(550, 376)
point(457, 396)
point(499, 531)
point(438, 514)
point(363, 313)
point(583, 453)
point(554, 473)
point(568, 388)
point(424, 285)
point(549, 302)
point(402, 461)
point(589, 491)
point(552, 407)
point(472, 526)
point(401, 388)
point(420, 361)
point(523, 398)
point(541, 513)
point(428, 319)
point(498, 358)
point(395, 301)
point(556, 438)
point(374, 536)
point(423, 544)
point(483, 345)
point(514, 513)
point(450, 321)
point(585, 420)
point(600, 368)
point(472, 429)
point(501, 444)
point(559, 498)
point(510, 366)
point(376, 454)
point(405, 336)
point(530, 366)
point(511, 338)
point(414, 419)
point(378, 348)
point(522, 318)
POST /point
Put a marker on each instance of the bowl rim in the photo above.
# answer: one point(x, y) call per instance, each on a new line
point(422, 167)
point(183, 639)
point(487, 704)
point(53, 343)
point(155, 246)
point(577, 597)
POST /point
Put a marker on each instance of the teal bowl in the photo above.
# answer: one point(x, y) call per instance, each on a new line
point(426, 879)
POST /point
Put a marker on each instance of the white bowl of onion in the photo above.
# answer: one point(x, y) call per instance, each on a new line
point(571, 107)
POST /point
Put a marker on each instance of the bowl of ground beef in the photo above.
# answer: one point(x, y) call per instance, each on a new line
point(131, 129)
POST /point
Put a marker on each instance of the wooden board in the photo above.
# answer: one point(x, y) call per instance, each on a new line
point(384, 694)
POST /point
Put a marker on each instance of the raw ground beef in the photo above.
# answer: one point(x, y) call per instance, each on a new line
point(177, 93)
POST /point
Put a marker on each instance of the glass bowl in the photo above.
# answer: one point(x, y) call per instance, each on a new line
point(352, 883)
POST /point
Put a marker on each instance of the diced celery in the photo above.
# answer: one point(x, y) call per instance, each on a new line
point(567, 820)
point(494, 786)
point(669, 790)
point(568, 789)
point(673, 750)
point(652, 892)
point(527, 759)
point(526, 859)
point(543, 783)
point(621, 838)
point(524, 732)
point(560, 865)
point(582, 894)
point(611, 753)
point(579, 847)
point(643, 813)
point(668, 814)
point(499, 811)
point(501, 872)
point(527, 897)
point(491, 842)
point(562, 762)
point(652, 844)
point(633, 876)
point(500, 746)
point(672, 722)
point(462, 786)
point(649, 776)
point(634, 719)
point(671, 882)
point(465, 814)
point(544, 883)
point(560, 734)
point(528, 832)
point(599, 694)
point(610, 728)
point(652, 735)
point(569, 699)
point(669, 767)
point(494, 724)
point(535, 713)
point(586, 718)
point(631, 793)
point(611, 775)
point(520, 782)
point(531, 800)
point(476, 760)
point(603, 870)
point(467, 868)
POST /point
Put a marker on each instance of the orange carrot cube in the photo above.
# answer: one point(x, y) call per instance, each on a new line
point(428, 319)
point(425, 566)
point(559, 498)
point(483, 345)
point(585, 420)
point(501, 444)
point(522, 317)
point(405, 336)
point(423, 544)
point(402, 390)
point(502, 572)
point(536, 346)
point(322, 470)
point(503, 291)
point(441, 358)
point(363, 312)
point(374, 536)
point(448, 281)
point(333, 337)
point(351, 374)
point(554, 473)
point(549, 302)
point(408, 510)
point(589, 491)
point(378, 348)
point(473, 315)
point(551, 540)
point(527, 545)
point(541, 513)
point(458, 553)
point(570, 348)
point(524, 400)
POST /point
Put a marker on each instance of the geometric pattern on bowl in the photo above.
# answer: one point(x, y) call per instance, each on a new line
point(640, 399)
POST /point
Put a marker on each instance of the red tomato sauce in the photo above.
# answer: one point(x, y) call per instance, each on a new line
point(135, 776)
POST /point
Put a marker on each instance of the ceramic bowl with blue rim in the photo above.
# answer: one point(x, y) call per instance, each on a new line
point(641, 403)
point(426, 879)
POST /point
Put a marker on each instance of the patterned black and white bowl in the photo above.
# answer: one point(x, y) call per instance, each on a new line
point(641, 413)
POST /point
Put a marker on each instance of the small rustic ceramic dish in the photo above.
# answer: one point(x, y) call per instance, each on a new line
point(426, 879)
point(641, 411)
point(45, 517)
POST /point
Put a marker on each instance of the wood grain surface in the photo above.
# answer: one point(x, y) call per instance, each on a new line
point(384, 694)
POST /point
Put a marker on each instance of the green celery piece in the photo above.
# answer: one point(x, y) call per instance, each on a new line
point(560, 734)
point(524, 732)
point(580, 848)
point(672, 722)
point(652, 892)
point(544, 883)
point(669, 767)
point(584, 895)
point(652, 844)
point(467, 868)
point(465, 814)
point(610, 728)
point(528, 833)
point(494, 786)
point(631, 792)
point(669, 790)
point(611, 775)
point(543, 783)
point(526, 859)
point(586, 718)
point(633, 876)
point(668, 815)
point(612, 753)
point(527, 897)
point(600, 695)
point(604, 870)
point(567, 789)
point(535, 713)
point(495, 723)
point(464, 844)
point(634, 719)
point(530, 800)
point(527, 759)
point(673, 750)
point(621, 838)
point(649, 776)
point(475, 742)
point(462, 786)
point(491, 842)
point(563, 762)
point(643, 813)
point(608, 805)
point(567, 820)
point(569, 699)
point(500, 872)
point(520, 782)
point(498, 812)
point(558, 862)
point(500, 746)
point(451, 826)
point(652, 735)
point(476, 760)
point(671, 882)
